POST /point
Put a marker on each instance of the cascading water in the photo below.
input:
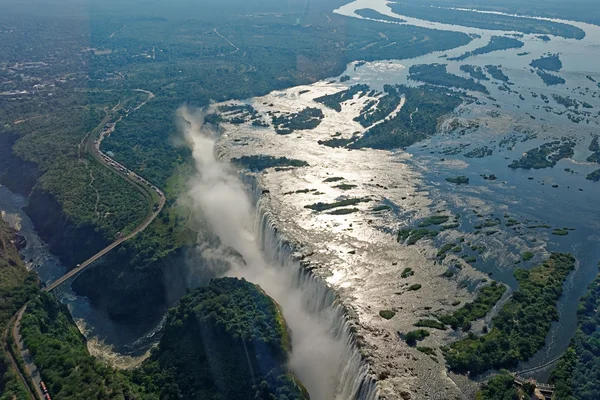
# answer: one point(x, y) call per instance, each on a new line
point(325, 356)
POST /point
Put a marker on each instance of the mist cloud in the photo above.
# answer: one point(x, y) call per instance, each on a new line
point(217, 194)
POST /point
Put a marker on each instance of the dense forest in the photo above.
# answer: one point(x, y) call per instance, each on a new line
point(224, 341)
point(577, 375)
point(520, 328)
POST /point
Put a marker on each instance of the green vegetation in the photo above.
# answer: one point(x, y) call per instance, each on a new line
point(496, 72)
point(387, 314)
point(549, 79)
point(343, 211)
point(577, 376)
point(412, 236)
point(385, 105)
point(369, 13)
point(430, 323)
point(560, 232)
point(545, 156)
point(459, 180)
point(486, 299)
point(345, 186)
point(231, 324)
point(527, 256)
point(520, 328)
point(262, 162)
point(342, 203)
point(59, 351)
point(417, 120)
point(500, 387)
point(17, 286)
point(594, 147)
point(335, 100)
point(548, 63)
point(435, 220)
point(496, 43)
point(413, 337)
point(414, 287)
point(436, 74)
point(307, 119)
point(475, 71)
point(408, 272)
point(426, 350)
point(486, 21)
point(594, 176)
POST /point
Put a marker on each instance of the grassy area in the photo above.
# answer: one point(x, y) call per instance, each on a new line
point(520, 328)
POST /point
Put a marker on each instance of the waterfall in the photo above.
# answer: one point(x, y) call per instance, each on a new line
point(354, 380)
point(325, 355)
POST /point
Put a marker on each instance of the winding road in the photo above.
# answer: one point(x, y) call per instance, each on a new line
point(91, 143)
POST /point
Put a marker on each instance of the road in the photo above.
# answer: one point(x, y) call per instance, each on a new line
point(13, 362)
point(30, 367)
point(93, 147)
point(91, 143)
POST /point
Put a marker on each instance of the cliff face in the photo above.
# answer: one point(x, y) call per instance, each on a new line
point(15, 173)
point(133, 294)
point(71, 243)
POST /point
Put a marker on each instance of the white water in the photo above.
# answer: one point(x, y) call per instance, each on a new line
point(324, 357)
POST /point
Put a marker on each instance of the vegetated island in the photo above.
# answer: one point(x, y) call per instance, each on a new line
point(335, 100)
point(230, 325)
point(459, 180)
point(417, 119)
point(577, 375)
point(594, 176)
point(309, 118)
point(594, 147)
point(258, 163)
point(487, 21)
point(520, 328)
point(550, 79)
point(496, 43)
point(436, 74)
point(496, 72)
point(545, 156)
point(372, 14)
point(550, 62)
point(475, 71)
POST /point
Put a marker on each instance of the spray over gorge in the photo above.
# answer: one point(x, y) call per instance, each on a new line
point(324, 356)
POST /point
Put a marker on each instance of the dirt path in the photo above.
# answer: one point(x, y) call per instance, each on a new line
point(228, 41)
